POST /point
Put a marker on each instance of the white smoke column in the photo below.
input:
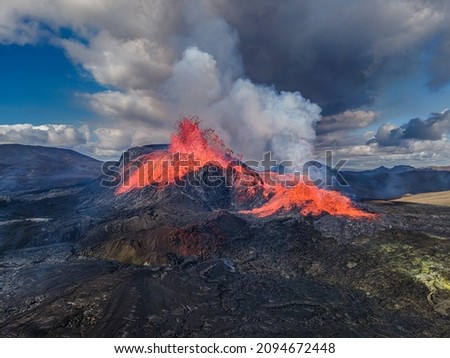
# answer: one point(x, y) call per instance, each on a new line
point(252, 118)
point(258, 118)
point(163, 60)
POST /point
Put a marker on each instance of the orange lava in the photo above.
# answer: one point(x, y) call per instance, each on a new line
point(308, 199)
point(191, 148)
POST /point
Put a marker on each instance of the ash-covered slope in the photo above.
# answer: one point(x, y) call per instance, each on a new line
point(163, 263)
point(26, 168)
point(196, 261)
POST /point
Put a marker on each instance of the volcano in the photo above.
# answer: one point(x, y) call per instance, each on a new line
point(187, 240)
point(193, 151)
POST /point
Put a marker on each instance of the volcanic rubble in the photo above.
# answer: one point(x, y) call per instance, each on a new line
point(186, 262)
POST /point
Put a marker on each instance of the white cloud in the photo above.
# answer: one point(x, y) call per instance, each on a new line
point(257, 118)
point(163, 59)
point(195, 82)
point(130, 106)
point(125, 63)
point(48, 134)
point(421, 153)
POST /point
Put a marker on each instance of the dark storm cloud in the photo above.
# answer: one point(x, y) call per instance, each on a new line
point(432, 129)
point(164, 60)
point(240, 65)
point(345, 121)
point(439, 67)
point(339, 54)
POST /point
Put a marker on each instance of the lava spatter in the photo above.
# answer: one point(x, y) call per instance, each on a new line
point(192, 147)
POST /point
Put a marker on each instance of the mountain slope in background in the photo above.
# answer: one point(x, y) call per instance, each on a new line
point(33, 168)
point(184, 262)
point(383, 183)
point(26, 168)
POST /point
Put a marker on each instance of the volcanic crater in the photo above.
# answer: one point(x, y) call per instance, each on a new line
point(152, 258)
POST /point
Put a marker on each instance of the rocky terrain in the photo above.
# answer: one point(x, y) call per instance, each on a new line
point(80, 261)
point(389, 183)
point(25, 168)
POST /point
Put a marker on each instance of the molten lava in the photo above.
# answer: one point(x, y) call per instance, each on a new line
point(307, 199)
point(191, 148)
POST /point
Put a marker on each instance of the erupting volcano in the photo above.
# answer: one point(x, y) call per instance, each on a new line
point(193, 148)
point(190, 149)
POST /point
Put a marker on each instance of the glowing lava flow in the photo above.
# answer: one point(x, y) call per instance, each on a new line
point(191, 148)
point(307, 199)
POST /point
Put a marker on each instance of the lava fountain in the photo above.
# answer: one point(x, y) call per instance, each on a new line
point(192, 148)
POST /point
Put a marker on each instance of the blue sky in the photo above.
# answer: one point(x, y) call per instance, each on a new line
point(74, 75)
point(39, 85)
point(410, 97)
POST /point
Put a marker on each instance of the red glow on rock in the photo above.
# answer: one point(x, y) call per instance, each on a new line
point(306, 198)
point(191, 148)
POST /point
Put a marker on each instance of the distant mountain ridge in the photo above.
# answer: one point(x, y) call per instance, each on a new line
point(384, 183)
point(395, 169)
point(26, 168)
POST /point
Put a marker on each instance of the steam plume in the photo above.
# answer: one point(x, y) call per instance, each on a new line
point(162, 61)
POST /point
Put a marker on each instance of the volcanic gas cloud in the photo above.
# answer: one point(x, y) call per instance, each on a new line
point(192, 148)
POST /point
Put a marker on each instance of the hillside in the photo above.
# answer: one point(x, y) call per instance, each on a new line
point(26, 168)
point(383, 183)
